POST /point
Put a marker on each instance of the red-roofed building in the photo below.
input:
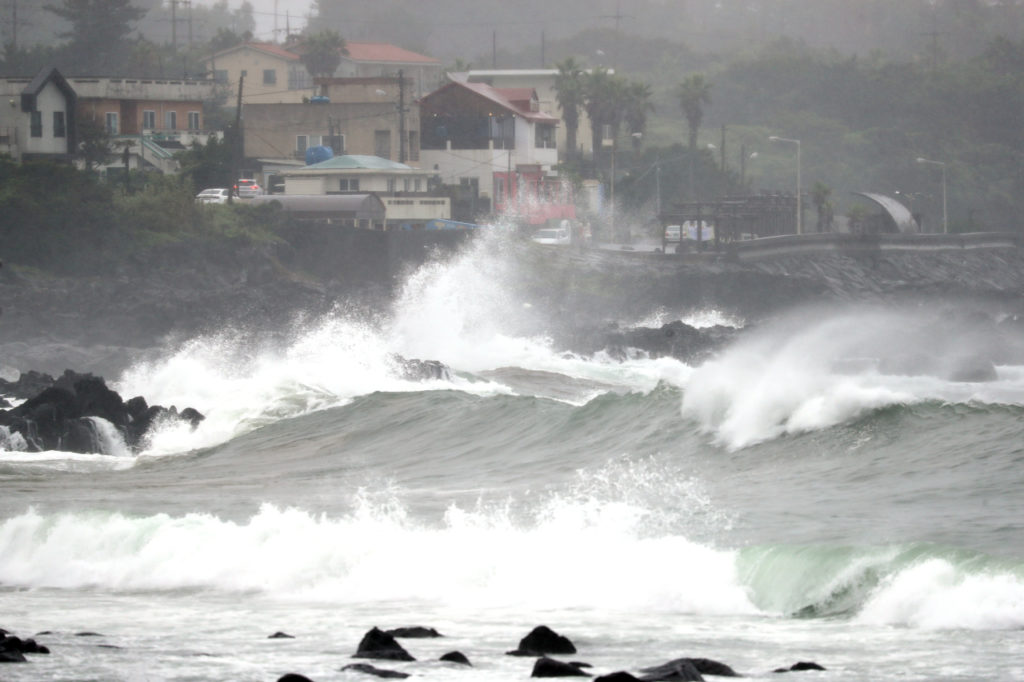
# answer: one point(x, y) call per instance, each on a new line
point(273, 75)
point(498, 142)
point(382, 59)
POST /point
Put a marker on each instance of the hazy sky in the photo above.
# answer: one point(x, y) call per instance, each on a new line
point(264, 13)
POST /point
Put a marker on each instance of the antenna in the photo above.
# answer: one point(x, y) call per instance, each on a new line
point(618, 17)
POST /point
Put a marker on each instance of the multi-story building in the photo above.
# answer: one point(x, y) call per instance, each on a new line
point(269, 74)
point(363, 60)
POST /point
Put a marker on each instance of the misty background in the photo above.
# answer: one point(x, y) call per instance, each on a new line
point(868, 86)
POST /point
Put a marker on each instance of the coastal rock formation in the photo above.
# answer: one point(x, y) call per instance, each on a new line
point(455, 657)
point(62, 416)
point(378, 644)
point(414, 632)
point(543, 640)
point(376, 672)
point(549, 667)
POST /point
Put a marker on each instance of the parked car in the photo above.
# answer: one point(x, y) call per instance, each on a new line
point(247, 188)
point(552, 235)
point(673, 233)
point(213, 195)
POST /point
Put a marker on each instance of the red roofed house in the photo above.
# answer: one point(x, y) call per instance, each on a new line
point(381, 59)
point(498, 142)
point(273, 75)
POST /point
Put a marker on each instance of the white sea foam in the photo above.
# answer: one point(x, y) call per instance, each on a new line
point(821, 368)
point(567, 555)
point(935, 594)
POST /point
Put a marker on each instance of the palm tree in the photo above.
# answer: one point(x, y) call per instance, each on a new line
point(570, 95)
point(638, 105)
point(694, 94)
point(321, 53)
point(605, 96)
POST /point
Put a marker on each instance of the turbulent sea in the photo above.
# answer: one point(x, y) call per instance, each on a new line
point(790, 499)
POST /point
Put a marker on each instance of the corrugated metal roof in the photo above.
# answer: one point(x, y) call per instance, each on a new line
point(899, 213)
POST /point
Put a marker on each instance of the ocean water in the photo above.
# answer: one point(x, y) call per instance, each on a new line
point(797, 497)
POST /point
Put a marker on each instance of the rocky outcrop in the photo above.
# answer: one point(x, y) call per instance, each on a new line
point(378, 644)
point(549, 667)
point(62, 416)
point(543, 640)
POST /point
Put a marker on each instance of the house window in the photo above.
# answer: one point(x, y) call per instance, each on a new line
point(392, 185)
point(348, 184)
point(37, 124)
point(414, 145)
point(301, 142)
point(112, 127)
point(417, 184)
point(220, 75)
point(171, 120)
point(270, 76)
point(58, 124)
point(406, 184)
point(148, 119)
point(382, 143)
point(335, 142)
point(193, 120)
point(545, 137)
point(499, 189)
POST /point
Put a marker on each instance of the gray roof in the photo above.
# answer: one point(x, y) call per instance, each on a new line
point(899, 213)
point(362, 206)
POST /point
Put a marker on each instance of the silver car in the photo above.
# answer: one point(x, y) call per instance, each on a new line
point(214, 195)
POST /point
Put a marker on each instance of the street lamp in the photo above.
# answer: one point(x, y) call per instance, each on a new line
point(945, 216)
point(799, 205)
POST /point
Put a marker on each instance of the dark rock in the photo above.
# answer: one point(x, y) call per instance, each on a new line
point(293, 677)
point(417, 631)
point(543, 640)
point(681, 669)
point(28, 385)
point(422, 370)
point(707, 666)
point(10, 656)
point(378, 644)
point(378, 672)
point(13, 648)
point(280, 635)
point(802, 665)
point(549, 667)
point(455, 657)
point(620, 676)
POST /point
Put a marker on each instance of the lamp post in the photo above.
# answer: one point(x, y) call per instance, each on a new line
point(799, 204)
point(945, 216)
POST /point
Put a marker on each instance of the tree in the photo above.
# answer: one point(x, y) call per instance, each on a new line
point(694, 94)
point(321, 52)
point(93, 141)
point(96, 41)
point(570, 95)
point(638, 105)
point(605, 102)
point(820, 194)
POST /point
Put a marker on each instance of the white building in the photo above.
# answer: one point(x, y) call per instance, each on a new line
point(37, 117)
point(404, 190)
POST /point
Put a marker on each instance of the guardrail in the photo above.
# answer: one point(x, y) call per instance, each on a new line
point(854, 244)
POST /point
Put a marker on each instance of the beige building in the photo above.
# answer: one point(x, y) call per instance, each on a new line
point(403, 190)
point(272, 74)
point(37, 117)
point(381, 59)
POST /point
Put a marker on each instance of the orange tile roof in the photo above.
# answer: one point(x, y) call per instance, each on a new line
point(384, 52)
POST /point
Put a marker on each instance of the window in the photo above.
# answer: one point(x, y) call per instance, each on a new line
point(148, 119)
point(499, 189)
point(193, 120)
point(112, 127)
point(220, 75)
point(171, 120)
point(301, 142)
point(245, 73)
point(58, 124)
point(348, 184)
point(382, 143)
point(545, 137)
point(270, 76)
point(335, 142)
point(406, 184)
point(417, 184)
point(37, 124)
point(392, 185)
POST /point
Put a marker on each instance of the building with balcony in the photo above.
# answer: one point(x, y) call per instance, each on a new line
point(496, 141)
point(269, 73)
point(363, 60)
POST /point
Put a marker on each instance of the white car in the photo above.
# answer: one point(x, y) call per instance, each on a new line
point(214, 195)
point(552, 235)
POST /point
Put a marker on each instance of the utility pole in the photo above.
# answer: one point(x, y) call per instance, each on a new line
point(236, 144)
point(188, 3)
point(494, 49)
point(401, 117)
point(174, 25)
point(14, 25)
